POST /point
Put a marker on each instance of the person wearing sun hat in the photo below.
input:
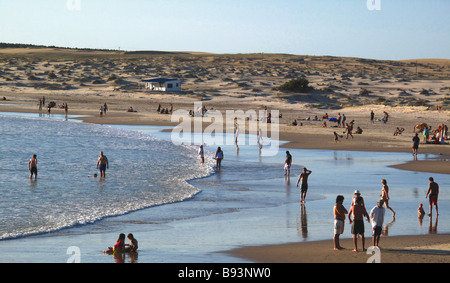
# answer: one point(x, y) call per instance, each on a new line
point(357, 194)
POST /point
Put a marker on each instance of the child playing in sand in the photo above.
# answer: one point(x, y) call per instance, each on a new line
point(336, 137)
point(118, 247)
point(134, 244)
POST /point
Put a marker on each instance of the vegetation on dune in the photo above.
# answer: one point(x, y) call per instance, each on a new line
point(299, 85)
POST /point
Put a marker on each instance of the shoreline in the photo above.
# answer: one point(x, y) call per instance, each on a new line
point(311, 136)
point(398, 249)
point(393, 249)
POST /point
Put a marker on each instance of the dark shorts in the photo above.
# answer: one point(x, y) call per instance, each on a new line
point(358, 227)
point(304, 188)
point(377, 231)
point(33, 170)
point(433, 199)
point(102, 167)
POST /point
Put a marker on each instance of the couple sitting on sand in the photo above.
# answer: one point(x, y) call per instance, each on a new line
point(121, 247)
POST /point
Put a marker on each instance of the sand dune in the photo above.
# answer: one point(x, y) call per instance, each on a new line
point(409, 90)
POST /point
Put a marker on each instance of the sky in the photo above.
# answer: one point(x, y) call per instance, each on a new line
point(375, 29)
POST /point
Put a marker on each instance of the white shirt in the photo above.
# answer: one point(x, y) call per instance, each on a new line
point(377, 216)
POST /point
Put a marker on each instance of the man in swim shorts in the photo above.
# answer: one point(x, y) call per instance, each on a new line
point(416, 142)
point(32, 166)
point(339, 212)
point(358, 211)
point(102, 164)
point(304, 188)
point(433, 192)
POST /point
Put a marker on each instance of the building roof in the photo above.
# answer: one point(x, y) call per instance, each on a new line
point(159, 80)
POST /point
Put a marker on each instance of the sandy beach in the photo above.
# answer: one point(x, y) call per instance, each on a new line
point(400, 249)
point(241, 82)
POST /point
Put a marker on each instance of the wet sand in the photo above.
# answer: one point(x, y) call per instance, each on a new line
point(396, 249)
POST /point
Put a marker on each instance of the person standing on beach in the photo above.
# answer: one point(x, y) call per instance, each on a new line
point(426, 134)
point(416, 142)
point(287, 164)
point(385, 195)
point(377, 217)
point(433, 193)
point(102, 164)
point(219, 157)
point(357, 194)
point(358, 211)
point(372, 116)
point(349, 128)
point(32, 166)
point(304, 188)
point(339, 212)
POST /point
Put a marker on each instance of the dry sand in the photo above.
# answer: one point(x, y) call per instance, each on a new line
point(408, 90)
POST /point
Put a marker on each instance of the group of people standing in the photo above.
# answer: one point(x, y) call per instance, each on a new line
point(358, 211)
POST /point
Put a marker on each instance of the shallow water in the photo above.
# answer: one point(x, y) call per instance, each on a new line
point(141, 173)
point(249, 202)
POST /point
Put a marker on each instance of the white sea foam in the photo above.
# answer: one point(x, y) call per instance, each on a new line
point(143, 171)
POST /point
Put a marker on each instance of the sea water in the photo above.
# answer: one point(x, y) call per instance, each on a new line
point(251, 180)
point(143, 171)
point(182, 211)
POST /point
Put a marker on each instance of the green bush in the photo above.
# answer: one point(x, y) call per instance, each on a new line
point(296, 85)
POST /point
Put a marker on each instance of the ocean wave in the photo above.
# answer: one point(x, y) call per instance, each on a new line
point(144, 172)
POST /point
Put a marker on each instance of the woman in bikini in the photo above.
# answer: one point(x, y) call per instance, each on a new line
point(385, 195)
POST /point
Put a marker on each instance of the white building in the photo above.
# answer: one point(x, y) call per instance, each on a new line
point(162, 84)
